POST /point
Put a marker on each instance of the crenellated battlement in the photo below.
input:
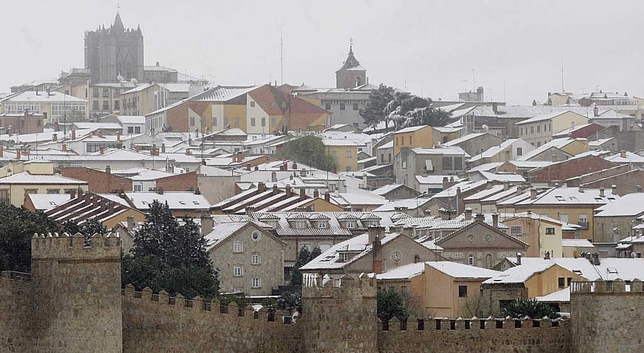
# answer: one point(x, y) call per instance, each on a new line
point(429, 324)
point(315, 285)
point(601, 286)
point(204, 306)
point(75, 247)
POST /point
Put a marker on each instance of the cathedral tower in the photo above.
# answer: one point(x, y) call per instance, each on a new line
point(351, 74)
point(114, 53)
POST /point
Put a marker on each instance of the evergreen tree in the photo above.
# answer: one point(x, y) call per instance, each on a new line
point(88, 228)
point(520, 308)
point(374, 111)
point(304, 257)
point(309, 150)
point(17, 227)
point(170, 256)
point(390, 303)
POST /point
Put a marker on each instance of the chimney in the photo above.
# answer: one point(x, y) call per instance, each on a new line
point(327, 197)
point(546, 256)
point(102, 150)
point(249, 210)
point(163, 147)
point(108, 169)
point(248, 167)
point(73, 134)
point(54, 138)
point(160, 191)
point(316, 193)
point(613, 189)
point(275, 189)
point(533, 194)
point(495, 220)
point(581, 188)
point(376, 252)
point(72, 194)
point(18, 156)
point(506, 185)
point(479, 217)
point(256, 168)
point(376, 233)
point(553, 156)
point(622, 154)
point(601, 192)
point(261, 187)
point(130, 223)
point(489, 184)
point(288, 190)
point(294, 165)
point(519, 255)
point(273, 176)
point(444, 213)
point(596, 111)
point(495, 108)
point(445, 183)
point(118, 136)
point(302, 194)
point(365, 183)
point(1, 151)
point(468, 214)
point(188, 152)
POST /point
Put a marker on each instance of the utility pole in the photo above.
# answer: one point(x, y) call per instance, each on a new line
point(281, 26)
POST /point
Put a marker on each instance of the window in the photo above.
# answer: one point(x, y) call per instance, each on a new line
point(342, 106)
point(561, 282)
point(238, 247)
point(130, 129)
point(106, 105)
point(348, 168)
point(322, 225)
point(583, 220)
point(4, 196)
point(355, 106)
point(263, 122)
point(344, 257)
point(252, 104)
point(138, 188)
point(447, 163)
point(347, 153)
point(470, 260)
point(238, 271)
point(351, 224)
point(255, 259)
point(255, 236)
point(252, 121)
point(327, 106)
point(519, 151)
point(404, 164)
point(53, 191)
point(563, 217)
point(516, 231)
point(538, 129)
point(117, 105)
point(462, 291)
point(192, 121)
point(532, 129)
point(550, 231)
point(95, 93)
point(458, 163)
point(396, 141)
point(106, 92)
point(257, 282)
point(137, 130)
point(538, 143)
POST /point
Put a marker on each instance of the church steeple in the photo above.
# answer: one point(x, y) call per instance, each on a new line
point(351, 74)
point(118, 23)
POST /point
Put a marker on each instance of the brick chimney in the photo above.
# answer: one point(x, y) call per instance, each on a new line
point(1, 151)
point(613, 189)
point(275, 189)
point(54, 138)
point(250, 210)
point(533, 194)
point(160, 191)
point(316, 193)
point(327, 197)
point(207, 224)
point(118, 136)
point(294, 165)
point(18, 155)
point(376, 251)
point(248, 167)
point(519, 255)
point(261, 187)
point(495, 220)
point(288, 190)
point(468, 214)
point(622, 154)
point(73, 134)
point(601, 192)
point(188, 152)
point(273, 176)
point(72, 194)
point(130, 223)
point(302, 194)
point(102, 150)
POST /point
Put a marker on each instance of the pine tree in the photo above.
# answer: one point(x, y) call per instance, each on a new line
point(170, 256)
point(374, 111)
point(304, 257)
point(309, 150)
point(17, 226)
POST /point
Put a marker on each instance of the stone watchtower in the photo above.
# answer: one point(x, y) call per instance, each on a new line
point(77, 294)
point(339, 315)
point(351, 74)
point(114, 53)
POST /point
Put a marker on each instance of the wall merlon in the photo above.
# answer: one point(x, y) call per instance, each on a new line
point(617, 286)
point(65, 246)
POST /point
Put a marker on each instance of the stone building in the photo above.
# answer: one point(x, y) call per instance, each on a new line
point(114, 54)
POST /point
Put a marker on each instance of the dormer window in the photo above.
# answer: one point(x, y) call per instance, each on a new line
point(300, 224)
point(344, 257)
point(350, 224)
point(374, 224)
point(323, 224)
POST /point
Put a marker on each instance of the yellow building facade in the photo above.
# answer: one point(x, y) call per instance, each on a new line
point(345, 154)
point(415, 136)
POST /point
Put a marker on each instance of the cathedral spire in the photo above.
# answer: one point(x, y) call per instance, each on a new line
point(118, 23)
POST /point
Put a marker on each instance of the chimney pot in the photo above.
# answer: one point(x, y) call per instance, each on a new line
point(468, 214)
point(519, 255)
point(533, 193)
point(130, 223)
point(302, 194)
point(207, 224)
point(622, 154)
point(495, 220)
point(601, 192)
point(54, 137)
point(316, 193)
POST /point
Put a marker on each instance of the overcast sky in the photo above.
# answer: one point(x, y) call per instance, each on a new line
point(427, 47)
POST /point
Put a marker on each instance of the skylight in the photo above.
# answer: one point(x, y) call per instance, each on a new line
point(560, 198)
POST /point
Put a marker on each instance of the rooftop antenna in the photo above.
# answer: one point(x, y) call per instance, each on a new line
point(464, 85)
point(562, 75)
point(281, 26)
point(473, 80)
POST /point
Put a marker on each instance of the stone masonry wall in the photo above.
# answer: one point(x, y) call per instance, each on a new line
point(606, 317)
point(495, 336)
point(14, 313)
point(160, 324)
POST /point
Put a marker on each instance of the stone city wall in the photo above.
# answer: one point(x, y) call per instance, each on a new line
point(15, 290)
point(607, 317)
point(163, 324)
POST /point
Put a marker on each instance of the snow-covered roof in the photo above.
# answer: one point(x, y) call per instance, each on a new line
point(509, 177)
point(389, 144)
point(465, 138)
point(103, 126)
point(43, 202)
point(544, 117)
point(560, 296)
point(627, 205)
point(629, 157)
point(410, 129)
point(347, 143)
point(571, 196)
point(484, 193)
point(442, 150)
point(26, 178)
point(435, 179)
point(175, 200)
point(42, 97)
point(577, 243)
point(386, 189)
point(221, 231)
point(556, 143)
point(131, 119)
point(350, 198)
point(492, 151)
point(410, 204)
point(464, 186)
point(461, 271)
point(403, 272)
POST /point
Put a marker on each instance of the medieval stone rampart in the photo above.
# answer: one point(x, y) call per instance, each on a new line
point(608, 316)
